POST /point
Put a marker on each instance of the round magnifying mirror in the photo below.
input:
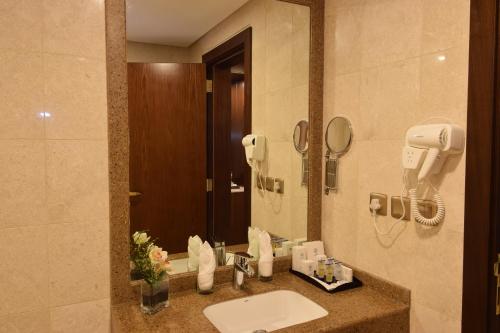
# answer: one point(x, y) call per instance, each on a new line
point(301, 136)
point(338, 135)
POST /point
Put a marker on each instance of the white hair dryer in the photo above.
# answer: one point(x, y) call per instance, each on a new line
point(427, 147)
point(255, 148)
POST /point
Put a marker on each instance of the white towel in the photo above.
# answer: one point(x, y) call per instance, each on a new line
point(206, 267)
point(265, 254)
point(253, 242)
point(194, 244)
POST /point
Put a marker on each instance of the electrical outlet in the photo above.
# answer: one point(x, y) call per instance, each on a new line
point(279, 185)
point(382, 198)
point(397, 208)
point(427, 208)
point(270, 184)
point(413, 157)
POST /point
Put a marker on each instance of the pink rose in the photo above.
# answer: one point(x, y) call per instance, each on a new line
point(156, 255)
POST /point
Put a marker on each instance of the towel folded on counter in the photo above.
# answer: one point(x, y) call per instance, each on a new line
point(206, 267)
point(253, 242)
point(194, 243)
point(265, 254)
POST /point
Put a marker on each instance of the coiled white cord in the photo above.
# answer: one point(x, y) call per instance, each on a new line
point(418, 216)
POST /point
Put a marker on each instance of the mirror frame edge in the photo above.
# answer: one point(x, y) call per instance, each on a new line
point(118, 138)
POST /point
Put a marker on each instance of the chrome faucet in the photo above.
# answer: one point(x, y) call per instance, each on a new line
point(241, 267)
point(220, 253)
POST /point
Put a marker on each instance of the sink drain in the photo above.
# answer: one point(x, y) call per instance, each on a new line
point(260, 331)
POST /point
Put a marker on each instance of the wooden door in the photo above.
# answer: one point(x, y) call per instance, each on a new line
point(480, 311)
point(167, 120)
point(221, 152)
point(229, 220)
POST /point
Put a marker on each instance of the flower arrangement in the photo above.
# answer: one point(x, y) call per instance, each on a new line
point(149, 261)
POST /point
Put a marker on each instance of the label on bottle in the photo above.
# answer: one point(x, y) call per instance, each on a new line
point(321, 269)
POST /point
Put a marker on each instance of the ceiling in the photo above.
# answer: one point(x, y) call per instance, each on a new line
point(175, 22)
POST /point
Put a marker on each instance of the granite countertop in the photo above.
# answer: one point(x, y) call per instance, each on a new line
point(364, 309)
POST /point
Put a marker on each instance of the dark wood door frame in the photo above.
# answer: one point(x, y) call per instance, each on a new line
point(240, 44)
point(482, 194)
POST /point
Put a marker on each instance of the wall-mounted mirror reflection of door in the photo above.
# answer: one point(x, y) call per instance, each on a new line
point(201, 76)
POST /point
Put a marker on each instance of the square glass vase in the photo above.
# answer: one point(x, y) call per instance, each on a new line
point(154, 297)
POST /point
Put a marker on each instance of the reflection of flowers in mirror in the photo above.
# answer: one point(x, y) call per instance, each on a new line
point(140, 237)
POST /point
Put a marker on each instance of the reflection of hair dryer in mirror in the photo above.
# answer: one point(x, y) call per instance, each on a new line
point(255, 148)
point(426, 149)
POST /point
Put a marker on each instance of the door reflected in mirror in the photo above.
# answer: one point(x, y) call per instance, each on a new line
point(197, 86)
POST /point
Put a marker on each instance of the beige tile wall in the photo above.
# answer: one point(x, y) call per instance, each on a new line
point(54, 237)
point(280, 97)
point(390, 64)
point(146, 52)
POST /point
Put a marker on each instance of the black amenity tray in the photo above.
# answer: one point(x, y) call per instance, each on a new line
point(356, 283)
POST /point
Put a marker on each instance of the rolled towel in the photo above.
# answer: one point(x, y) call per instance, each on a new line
point(206, 267)
point(194, 244)
point(265, 255)
point(205, 281)
point(253, 242)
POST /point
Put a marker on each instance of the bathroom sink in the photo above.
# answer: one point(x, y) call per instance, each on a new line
point(263, 313)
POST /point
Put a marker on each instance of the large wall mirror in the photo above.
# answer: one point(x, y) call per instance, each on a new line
point(213, 92)
point(196, 88)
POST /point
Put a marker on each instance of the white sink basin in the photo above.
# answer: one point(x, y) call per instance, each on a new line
point(267, 312)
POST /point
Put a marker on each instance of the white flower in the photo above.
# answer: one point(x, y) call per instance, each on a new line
point(140, 237)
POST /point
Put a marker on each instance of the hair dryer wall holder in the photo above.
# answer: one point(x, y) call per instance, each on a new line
point(331, 172)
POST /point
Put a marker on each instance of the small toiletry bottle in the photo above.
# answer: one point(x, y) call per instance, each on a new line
point(329, 271)
point(321, 268)
point(287, 247)
point(337, 271)
point(274, 244)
